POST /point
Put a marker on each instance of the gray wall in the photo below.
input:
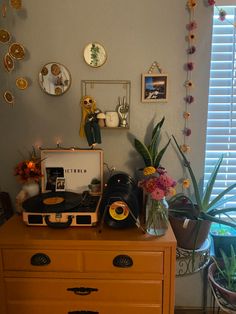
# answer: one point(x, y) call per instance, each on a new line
point(134, 33)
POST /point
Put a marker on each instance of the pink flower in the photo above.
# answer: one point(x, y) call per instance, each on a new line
point(189, 99)
point(211, 2)
point(191, 50)
point(189, 66)
point(158, 194)
point(187, 132)
point(165, 182)
point(192, 25)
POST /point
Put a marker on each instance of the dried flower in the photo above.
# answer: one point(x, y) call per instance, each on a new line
point(189, 66)
point(187, 131)
point(192, 25)
point(186, 183)
point(191, 37)
point(211, 2)
point(188, 84)
point(186, 115)
point(29, 169)
point(189, 99)
point(191, 50)
point(185, 148)
point(191, 4)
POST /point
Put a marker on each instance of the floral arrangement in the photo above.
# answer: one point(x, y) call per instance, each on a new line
point(29, 170)
point(157, 185)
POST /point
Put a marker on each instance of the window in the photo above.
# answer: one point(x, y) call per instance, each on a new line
point(221, 124)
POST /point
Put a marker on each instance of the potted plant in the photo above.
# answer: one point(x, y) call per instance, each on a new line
point(222, 238)
point(222, 276)
point(189, 217)
point(95, 186)
point(149, 152)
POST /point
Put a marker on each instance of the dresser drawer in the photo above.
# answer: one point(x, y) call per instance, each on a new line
point(58, 260)
point(73, 308)
point(129, 291)
point(130, 262)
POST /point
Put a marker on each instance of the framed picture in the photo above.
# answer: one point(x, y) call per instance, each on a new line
point(60, 184)
point(154, 87)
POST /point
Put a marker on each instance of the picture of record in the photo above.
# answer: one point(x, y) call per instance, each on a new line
point(21, 83)
point(16, 4)
point(17, 51)
point(4, 36)
point(8, 62)
point(9, 98)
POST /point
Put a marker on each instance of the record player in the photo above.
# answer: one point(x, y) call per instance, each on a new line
point(65, 199)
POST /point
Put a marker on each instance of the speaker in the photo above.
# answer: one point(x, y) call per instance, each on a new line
point(120, 202)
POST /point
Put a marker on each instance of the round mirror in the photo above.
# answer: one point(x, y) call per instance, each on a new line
point(54, 79)
point(95, 55)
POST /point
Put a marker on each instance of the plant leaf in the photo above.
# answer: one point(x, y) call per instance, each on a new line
point(144, 152)
point(159, 156)
point(206, 216)
point(210, 184)
point(218, 200)
point(155, 138)
point(194, 181)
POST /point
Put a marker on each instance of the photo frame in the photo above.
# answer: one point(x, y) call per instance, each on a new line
point(60, 184)
point(154, 87)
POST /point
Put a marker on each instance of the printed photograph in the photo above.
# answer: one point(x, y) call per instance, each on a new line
point(154, 88)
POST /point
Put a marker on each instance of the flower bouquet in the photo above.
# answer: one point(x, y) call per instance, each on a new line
point(29, 170)
point(157, 185)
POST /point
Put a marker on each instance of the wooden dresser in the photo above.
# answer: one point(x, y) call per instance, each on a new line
point(81, 271)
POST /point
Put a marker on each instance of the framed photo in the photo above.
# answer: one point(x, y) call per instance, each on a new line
point(154, 87)
point(60, 184)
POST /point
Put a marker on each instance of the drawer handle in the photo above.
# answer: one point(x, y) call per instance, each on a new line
point(59, 225)
point(82, 290)
point(83, 312)
point(122, 261)
point(40, 259)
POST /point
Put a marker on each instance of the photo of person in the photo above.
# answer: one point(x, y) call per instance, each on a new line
point(60, 184)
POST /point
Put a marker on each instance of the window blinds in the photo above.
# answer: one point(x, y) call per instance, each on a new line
point(221, 124)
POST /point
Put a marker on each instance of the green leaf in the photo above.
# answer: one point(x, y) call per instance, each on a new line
point(210, 184)
point(219, 200)
point(159, 156)
point(194, 181)
point(156, 135)
point(206, 216)
point(158, 127)
point(143, 151)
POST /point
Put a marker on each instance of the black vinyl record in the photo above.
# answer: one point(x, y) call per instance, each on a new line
point(59, 202)
point(120, 203)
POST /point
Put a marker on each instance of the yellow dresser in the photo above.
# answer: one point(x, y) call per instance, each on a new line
point(80, 270)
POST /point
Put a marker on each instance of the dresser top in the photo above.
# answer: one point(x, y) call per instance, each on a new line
point(15, 233)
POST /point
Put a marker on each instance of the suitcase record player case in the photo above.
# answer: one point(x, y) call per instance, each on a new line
point(69, 204)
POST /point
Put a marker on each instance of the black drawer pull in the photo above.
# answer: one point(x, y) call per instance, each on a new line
point(40, 259)
point(123, 261)
point(82, 290)
point(83, 312)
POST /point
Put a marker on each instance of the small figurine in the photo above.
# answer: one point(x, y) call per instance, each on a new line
point(123, 111)
point(89, 122)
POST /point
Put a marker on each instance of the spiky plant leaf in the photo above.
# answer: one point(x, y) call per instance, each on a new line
point(210, 184)
point(194, 181)
point(159, 156)
point(220, 200)
point(144, 152)
point(156, 136)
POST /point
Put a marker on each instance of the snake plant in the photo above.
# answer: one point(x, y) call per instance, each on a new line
point(150, 154)
point(206, 208)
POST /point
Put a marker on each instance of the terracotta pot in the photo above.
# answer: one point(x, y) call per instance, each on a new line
point(229, 296)
point(186, 232)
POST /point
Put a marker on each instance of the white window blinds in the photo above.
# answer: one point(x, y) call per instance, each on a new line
point(221, 124)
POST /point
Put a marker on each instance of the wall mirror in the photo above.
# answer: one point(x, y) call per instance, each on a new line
point(54, 78)
point(95, 55)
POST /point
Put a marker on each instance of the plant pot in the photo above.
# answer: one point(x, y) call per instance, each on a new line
point(229, 296)
point(187, 232)
point(223, 237)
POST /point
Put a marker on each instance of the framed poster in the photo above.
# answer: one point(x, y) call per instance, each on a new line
point(154, 87)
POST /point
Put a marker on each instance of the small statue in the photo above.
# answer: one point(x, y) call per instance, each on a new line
point(123, 111)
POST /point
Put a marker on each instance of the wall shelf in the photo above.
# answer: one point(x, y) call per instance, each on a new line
point(108, 95)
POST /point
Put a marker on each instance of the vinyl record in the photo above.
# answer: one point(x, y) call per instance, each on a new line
point(120, 203)
point(52, 202)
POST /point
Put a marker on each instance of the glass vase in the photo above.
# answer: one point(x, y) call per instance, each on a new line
point(156, 216)
point(31, 188)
